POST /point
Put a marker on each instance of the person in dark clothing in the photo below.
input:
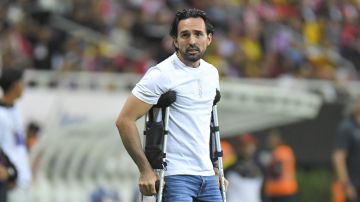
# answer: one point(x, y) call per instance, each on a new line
point(346, 155)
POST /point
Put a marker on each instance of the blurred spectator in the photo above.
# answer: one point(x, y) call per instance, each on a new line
point(346, 156)
point(43, 48)
point(245, 176)
point(280, 183)
point(13, 140)
point(32, 134)
point(229, 156)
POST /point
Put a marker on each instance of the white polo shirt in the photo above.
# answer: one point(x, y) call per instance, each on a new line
point(189, 122)
point(12, 141)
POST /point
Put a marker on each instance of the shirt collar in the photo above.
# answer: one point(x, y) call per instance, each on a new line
point(178, 62)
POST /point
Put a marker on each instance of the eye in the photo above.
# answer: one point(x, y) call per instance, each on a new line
point(198, 34)
point(184, 35)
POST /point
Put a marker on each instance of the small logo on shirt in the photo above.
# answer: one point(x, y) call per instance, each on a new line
point(199, 88)
point(19, 139)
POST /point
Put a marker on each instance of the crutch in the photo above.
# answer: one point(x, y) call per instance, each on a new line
point(155, 138)
point(215, 146)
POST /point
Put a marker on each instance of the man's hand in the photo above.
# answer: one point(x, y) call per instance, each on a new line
point(4, 175)
point(147, 182)
point(350, 192)
point(226, 182)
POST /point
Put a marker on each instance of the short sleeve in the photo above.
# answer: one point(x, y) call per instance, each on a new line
point(217, 79)
point(3, 130)
point(343, 136)
point(153, 84)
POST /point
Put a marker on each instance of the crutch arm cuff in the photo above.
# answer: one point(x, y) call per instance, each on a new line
point(166, 99)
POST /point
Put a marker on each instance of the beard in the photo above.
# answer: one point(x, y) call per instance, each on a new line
point(191, 56)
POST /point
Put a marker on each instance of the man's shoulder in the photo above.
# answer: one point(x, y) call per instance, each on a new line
point(3, 117)
point(2, 111)
point(166, 65)
point(161, 67)
point(209, 66)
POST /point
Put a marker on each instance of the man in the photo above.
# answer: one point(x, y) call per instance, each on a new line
point(245, 176)
point(32, 133)
point(189, 175)
point(280, 181)
point(12, 135)
point(346, 156)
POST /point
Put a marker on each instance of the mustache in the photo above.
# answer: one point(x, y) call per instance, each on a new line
point(193, 48)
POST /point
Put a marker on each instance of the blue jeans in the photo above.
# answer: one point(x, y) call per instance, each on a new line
point(189, 188)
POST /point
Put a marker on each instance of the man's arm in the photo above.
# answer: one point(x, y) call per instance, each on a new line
point(131, 111)
point(8, 172)
point(339, 157)
point(339, 162)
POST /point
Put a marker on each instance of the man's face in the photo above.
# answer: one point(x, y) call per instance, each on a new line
point(273, 140)
point(192, 40)
point(18, 88)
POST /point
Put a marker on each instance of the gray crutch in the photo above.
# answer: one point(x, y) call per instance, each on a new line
point(215, 146)
point(155, 138)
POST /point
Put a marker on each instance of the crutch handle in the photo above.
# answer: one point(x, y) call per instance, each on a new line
point(166, 99)
point(157, 185)
point(217, 97)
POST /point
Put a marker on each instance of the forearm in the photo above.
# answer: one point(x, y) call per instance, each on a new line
point(216, 170)
point(131, 140)
point(340, 166)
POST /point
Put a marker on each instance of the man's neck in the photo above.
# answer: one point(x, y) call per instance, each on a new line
point(7, 101)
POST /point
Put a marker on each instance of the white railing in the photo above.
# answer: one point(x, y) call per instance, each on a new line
point(77, 160)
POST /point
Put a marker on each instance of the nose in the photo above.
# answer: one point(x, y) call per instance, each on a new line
point(192, 39)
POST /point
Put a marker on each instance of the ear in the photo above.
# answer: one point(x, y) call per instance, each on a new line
point(176, 44)
point(210, 37)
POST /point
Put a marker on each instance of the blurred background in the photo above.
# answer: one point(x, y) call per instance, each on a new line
point(290, 65)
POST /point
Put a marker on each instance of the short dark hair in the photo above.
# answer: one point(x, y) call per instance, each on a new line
point(190, 13)
point(33, 127)
point(9, 76)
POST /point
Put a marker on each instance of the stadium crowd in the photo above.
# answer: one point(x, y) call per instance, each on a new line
point(314, 39)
